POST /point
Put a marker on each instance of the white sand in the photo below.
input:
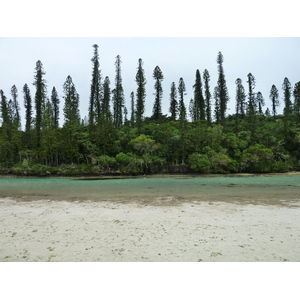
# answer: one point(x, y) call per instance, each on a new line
point(115, 232)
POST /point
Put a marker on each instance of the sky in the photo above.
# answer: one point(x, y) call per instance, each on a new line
point(269, 60)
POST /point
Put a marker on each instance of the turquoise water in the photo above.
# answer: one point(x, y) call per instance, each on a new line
point(215, 187)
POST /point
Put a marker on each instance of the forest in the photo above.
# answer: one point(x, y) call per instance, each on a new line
point(200, 138)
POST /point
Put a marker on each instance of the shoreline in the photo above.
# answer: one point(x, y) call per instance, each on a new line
point(158, 175)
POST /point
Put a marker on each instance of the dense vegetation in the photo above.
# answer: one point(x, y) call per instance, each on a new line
point(200, 138)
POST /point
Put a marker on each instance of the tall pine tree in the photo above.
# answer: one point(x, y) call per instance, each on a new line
point(15, 107)
point(6, 131)
point(95, 95)
point(217, 111)
point(158, 77)
point(296, 93)
point(181, 93)
point(251, 96)
point(55, 106)
point(274, 96)
point(40, 98)
point(240, 102)
point(140, 94)
point(173, 102)
point(240, 98)
point(118, 95)
point(71, 107)
point(5, 115)
point(206, 78)
point(222, 91)
point(106, 98)
point(28, 108)
point(287, 92)
point(260, 101)
point(133, 112)
point(199, 104)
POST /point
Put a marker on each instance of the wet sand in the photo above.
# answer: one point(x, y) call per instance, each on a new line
point(165, 229)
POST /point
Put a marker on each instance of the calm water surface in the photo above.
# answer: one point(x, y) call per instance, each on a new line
point(272, 188)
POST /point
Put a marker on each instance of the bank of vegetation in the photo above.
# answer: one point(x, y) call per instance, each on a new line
point(198, 138)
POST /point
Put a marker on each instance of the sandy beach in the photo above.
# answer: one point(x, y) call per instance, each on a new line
point(175, 231)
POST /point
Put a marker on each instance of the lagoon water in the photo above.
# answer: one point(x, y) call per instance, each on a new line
point(260, 189)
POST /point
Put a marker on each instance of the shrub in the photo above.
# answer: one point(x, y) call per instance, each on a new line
point(129, 163)
point(257, 159)
point(221, 162)
point(199, 163)
point(106, 162)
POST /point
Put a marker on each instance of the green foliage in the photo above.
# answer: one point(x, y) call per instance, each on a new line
point(257, 159)
point(153, 163)
point(221, 92)
point(173, 102)
point(158, 77)
point(144, 144)
point(199, 163)
point(140, 94)
point(118, 95)
point(102, 143)
point(106, 163)
point(221, 162)
point(129, 163)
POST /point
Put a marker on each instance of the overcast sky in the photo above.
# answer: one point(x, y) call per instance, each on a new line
point(270, 60)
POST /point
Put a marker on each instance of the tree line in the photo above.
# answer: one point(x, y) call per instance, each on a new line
point(199, 138)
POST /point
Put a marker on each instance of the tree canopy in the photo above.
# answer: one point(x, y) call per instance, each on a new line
point(204, 139)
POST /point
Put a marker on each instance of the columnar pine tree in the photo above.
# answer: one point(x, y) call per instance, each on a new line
point(173, 102)
point(217, 111)
point(251, 109)
point(240, 98)
point(133, 112)
point(48, 118)
point(28, 108)
point(296, 93)
point(10, 108)
point(55, 106)
point(70, 149)
point(192, 110)
point(49, 142)
point(125, 115)
point(140, 94)
point(6, 153)
point(106, 98)
point(48, 123)
point(222, 88)
point(260, 102)
point(71, 107)
point(158, 76)
point(251, 95)
point(15, 107)
point(275, 99)
point(240, 102)
point(183, 140)
point(6, 121)
point(95, 96)
point(40, 97)
point(287, 92)
point(206, 78)
point(199, 104)
point(181, 93)
point(118, 95)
